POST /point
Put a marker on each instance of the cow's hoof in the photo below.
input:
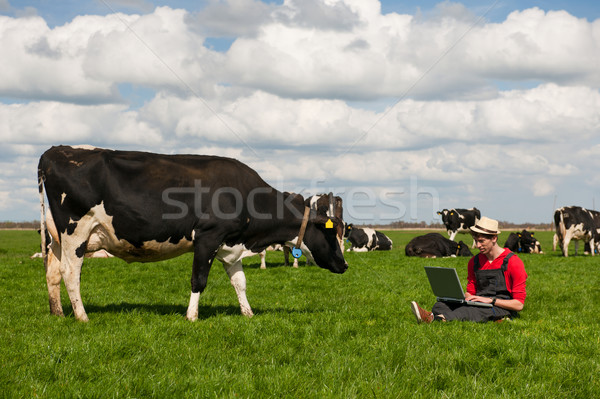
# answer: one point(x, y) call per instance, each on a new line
point(191, 317)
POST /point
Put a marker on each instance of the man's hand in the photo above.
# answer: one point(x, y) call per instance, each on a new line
point(477, 298)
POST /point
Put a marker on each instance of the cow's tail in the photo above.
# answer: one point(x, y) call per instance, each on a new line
point(559, 224)
point(41, 180)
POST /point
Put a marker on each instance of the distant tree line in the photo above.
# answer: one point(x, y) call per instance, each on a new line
point(20, 225)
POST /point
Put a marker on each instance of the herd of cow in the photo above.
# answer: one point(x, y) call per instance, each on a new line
point(123, 203)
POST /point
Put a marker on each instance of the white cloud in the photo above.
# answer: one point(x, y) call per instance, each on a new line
point(52, 122)
point(542, 188)
point(230, 18)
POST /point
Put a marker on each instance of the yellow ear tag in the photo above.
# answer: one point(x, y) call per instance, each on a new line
point(329, 224)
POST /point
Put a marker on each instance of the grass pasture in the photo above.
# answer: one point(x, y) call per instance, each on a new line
point(314, 334)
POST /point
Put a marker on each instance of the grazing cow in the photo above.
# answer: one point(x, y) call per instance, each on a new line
point(523, 242)
point(324, 204)
point(575, 223)
point(459, 220)
point(366, 239)
point(435, 245)
point(144, 207)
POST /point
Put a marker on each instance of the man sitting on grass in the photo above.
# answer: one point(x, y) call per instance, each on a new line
point(495, 275)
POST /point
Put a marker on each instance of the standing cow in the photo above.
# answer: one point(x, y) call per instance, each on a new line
point(435, 245)
point(366, 239)
point(574, 223)
point(144, 207)
point(459, 220)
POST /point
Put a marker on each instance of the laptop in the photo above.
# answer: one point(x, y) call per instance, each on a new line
point(446, 286)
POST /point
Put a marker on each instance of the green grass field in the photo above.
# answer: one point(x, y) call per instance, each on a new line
point(314, 334)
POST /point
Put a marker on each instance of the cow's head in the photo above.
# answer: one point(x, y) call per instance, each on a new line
point(463, 249)
point(453, 220)
point(323, 241)
point(450, 218)
point(444, 214)
point(324, 235)
point(348, 230)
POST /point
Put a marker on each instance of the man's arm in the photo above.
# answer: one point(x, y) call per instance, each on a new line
point(509, 304)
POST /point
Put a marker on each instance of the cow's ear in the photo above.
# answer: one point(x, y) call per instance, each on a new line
point(439, 213)
point(451, 213)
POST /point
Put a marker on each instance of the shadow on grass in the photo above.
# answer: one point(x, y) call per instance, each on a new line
point(204, 312)
point(274, 265)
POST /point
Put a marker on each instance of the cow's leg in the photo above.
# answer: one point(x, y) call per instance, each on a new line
point(565, 247)
point(554, 242)
point(452, 235)
point(53, 277)
point(70, 269)
point(204, 254)
point(238, 281)
point(592, 246)
point(263, 264)
point(286, 255)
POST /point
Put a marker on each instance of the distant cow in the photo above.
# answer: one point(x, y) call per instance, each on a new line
point(459, 220)
point(575, 223)
point(144, 207)
point(523, 242)
point(365, 239)
point(435, 245)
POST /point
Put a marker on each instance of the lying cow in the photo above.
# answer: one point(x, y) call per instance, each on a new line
point(523, 242)
point(144, 207)
point(435, 245)
point(366, 239)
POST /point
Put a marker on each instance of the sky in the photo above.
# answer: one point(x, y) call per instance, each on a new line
point(402, 108)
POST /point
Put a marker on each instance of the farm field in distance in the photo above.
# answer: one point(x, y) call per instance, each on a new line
point(315, 334)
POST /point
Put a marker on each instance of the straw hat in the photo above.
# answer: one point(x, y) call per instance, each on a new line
point(486, 225)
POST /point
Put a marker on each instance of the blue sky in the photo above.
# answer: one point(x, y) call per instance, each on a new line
point(400, 107)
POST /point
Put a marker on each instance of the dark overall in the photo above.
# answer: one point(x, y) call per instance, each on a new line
point(489, 283)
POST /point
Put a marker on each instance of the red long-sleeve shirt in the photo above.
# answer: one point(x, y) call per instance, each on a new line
point(514, 275)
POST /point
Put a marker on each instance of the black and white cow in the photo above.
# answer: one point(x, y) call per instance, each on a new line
point(325, 205)
point(523, 242)
point(144, 207)
point(365, 239)
point(575, 223)
point(435, 245)
point(459, 220)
